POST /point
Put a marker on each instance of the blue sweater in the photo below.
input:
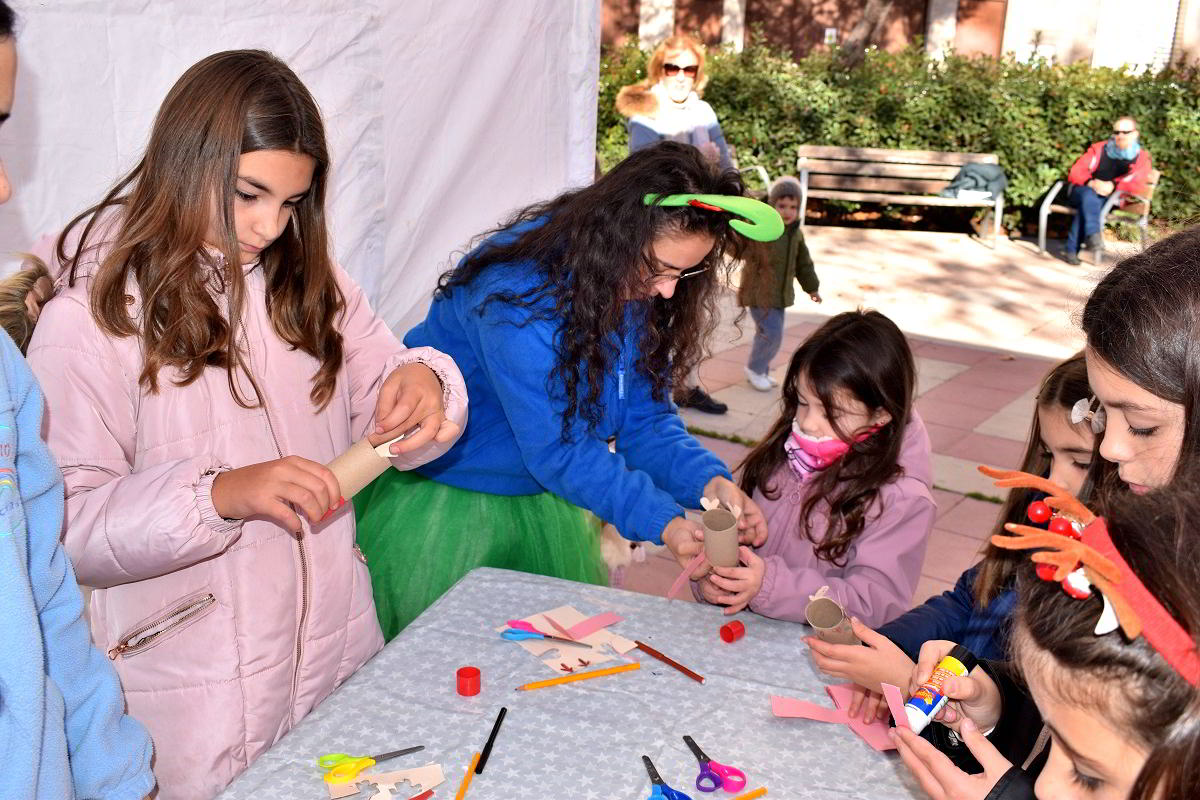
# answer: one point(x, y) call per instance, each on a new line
point(62, 722)
point(513, 442)
point(956, 617)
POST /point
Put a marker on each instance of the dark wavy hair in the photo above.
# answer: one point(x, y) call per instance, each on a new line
point(1129, 683)
point(864, 353)
point(1143, 320)
point(592, 252)
point(1061, 388)
point(229, 103)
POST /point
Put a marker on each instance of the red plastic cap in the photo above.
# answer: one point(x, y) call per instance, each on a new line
point(732, 631)
point(468, 681)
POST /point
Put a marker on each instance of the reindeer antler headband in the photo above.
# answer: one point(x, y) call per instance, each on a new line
point(1083, 556)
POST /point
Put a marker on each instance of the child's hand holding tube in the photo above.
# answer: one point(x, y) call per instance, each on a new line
point(412, 396)
point(877, 660)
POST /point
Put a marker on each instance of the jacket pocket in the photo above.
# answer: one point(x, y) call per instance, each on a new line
point(164, 625)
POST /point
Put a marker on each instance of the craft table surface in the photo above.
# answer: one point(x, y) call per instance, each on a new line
point(582, 740)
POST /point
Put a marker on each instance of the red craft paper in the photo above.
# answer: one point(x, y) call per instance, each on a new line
point(791, 707)
point(593, 624)
point(895, 701)
point(874, 733)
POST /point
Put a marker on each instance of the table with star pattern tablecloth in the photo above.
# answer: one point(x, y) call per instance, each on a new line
point(582, 740)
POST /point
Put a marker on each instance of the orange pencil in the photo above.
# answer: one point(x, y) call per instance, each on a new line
point(466, 781)
point(580, 676)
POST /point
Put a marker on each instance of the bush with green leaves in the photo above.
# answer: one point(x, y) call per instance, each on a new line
point(1037, 117)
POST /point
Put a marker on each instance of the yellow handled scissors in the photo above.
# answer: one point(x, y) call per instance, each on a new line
point(343, 768)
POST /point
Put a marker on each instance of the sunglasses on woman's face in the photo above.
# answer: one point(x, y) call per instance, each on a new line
point(673, 69)
point(1123, 131)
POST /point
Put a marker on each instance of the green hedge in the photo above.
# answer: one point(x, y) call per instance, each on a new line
point(1037, 117)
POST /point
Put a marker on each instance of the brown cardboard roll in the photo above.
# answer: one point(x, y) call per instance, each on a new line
point(720, 537)
point(357, 467)
point(830, 621)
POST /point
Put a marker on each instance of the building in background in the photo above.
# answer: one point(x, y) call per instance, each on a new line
point(1108, 33)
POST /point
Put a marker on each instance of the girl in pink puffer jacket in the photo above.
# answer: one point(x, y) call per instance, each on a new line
point(203, 361)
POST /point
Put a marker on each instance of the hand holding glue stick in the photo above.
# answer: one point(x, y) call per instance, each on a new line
point(948, 686)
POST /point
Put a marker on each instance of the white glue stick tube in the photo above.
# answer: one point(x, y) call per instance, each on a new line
point(928, 700)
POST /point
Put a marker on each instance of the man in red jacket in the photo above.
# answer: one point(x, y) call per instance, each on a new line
point(1119, 163)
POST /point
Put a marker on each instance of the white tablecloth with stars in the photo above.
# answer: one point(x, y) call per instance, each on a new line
point(582, 740)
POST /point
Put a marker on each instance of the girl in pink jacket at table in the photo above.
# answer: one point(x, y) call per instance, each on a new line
point(203, 361)
point(843, 478)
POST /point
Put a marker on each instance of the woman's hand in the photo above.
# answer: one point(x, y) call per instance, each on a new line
point(881, 661)
point(684, 539)
point(975, 697)
point(752, 525)
point(738, 585)
point(411, 400)
point(936, 772)
point(273, 488)
point(815, 297)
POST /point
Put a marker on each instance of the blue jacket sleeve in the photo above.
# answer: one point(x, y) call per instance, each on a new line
point(942, 617)
point(653, 438)
point(109, 751)
point(641, 136)
point(717, 137)
point(518, 359)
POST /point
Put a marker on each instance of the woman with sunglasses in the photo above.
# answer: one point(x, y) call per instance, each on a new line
point(1119, 163)
point(667, 106)
point(570, 323)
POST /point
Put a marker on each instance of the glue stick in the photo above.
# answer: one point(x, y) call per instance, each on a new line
point(929, 699)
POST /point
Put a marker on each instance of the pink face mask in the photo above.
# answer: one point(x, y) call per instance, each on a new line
point(807, 454)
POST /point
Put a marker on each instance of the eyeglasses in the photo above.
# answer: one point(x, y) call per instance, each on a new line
point(691, 272)
point(1119, 132)
point(673, 69)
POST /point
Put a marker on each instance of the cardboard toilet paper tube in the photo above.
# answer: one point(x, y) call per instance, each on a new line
point(720, 537)
point(830, 621)
point(361, 464)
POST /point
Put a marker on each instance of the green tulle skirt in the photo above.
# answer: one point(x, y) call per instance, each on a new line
point(420, 536)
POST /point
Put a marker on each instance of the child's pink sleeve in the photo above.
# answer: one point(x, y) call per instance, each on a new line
point(881, 571)
point(372, 351)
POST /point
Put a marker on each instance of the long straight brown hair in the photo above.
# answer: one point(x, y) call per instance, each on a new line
point(235, 102)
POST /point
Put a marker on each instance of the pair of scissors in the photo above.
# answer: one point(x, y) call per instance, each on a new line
point(518, 631)
point(343, 768)
point(658, 787)
point(715, 776)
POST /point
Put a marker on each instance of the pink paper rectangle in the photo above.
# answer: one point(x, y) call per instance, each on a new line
point(557, 627)
point(895, 702)
point(593, 624)
point(874, 733)
point(791, 707)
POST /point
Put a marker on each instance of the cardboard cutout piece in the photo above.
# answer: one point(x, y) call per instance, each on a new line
point(386, 783)
point(563, 659)
point(720, 537)
point(361, 464)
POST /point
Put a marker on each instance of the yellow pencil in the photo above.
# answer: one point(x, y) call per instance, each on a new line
point(759, 792)
point(581, 676)
point(466, 781)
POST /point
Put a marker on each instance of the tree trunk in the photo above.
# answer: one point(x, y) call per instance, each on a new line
point(869, 28)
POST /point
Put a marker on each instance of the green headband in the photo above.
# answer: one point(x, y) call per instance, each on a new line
point(762, 223)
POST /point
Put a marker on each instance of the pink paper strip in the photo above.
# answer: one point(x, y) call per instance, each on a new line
point(791, 707)
point(874, 733)
point(895, 702)
point(557, 627)
point(593, 624)
point(696, 561)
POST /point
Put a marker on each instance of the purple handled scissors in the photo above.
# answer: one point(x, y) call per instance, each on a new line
point(715, 776)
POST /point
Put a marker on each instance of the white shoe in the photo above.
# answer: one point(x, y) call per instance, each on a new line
point(761, 382)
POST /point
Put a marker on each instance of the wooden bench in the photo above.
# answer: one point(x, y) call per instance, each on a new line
point(897, 177)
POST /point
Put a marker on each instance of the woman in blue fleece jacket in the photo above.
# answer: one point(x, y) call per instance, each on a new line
point(570, 325)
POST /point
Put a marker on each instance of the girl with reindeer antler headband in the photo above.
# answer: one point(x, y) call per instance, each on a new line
point(1105, 645)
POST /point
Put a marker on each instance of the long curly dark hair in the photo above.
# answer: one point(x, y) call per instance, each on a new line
point(591, 254)
point(864, 353)
point(1128, 682)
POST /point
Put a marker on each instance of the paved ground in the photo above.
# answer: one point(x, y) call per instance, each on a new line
point(985, 326)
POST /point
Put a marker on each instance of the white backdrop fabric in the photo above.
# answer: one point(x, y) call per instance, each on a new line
point(443, 116)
